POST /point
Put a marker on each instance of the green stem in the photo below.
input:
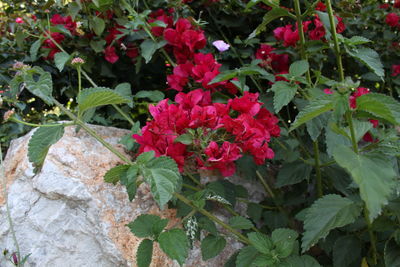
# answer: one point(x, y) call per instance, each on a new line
point(92, 133)
point(10, 222)
point(194, 179)
point(366, 212)
point(123, 114)
point(213, 218)
point(299, 20)
point(38, 125)
point(318, 169)
point(335, 39)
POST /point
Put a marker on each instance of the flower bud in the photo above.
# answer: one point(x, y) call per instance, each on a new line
point(8, 114)
point(77, 61)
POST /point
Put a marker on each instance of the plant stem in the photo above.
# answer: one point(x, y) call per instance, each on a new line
point(299, 20)
point(193, 179)
point(366, 212)
point(92, 133)
point(10, 222)
point(89, 79)
point(335, 39)
point(38, 125)
point(213, 218)
point(318, 169)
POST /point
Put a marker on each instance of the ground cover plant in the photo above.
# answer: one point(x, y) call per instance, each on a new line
point(299, 96)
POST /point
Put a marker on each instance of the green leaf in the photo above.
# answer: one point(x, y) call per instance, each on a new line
point(271, 15)
point(97, 46)
point(185, 139)
point(144, 253)
point(325, 214)
point(357, 40)
point(211, 246)
point(175, 244)
point(41, 86)
point(33, 51)
point(360, 128)
point(40, 143)
point(152, 95)
point(392, 254)
point(261, 242)
point(147, 225)
point(61, 29)
point(125, 90)
point(334, 139)
point(128, 178)
point(284, 240)
point(293, 173)
point(381, 106)
point(283, 94)
point(300, 261)
point(312, 110)
point(239, 222)
point(315, 126)
point(163, 176)
point(113, 175)
point(98, 25)
point(370, 58)
point(145, 157)
point(346, 250)
point(298, 68)
point(224, 76)
point(148, 48)
point(373, 174)
point(247, 257)
point(60, 59)
point(20, 39)
point(99, 96)
point(324, 17)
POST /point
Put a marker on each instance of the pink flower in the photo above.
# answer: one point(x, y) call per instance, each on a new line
point(19, 20)
point(110, 55)
point(328, 91)
point(221, 45)
point(320, 6)
point(395, 70)
point(392, 19)
point(287, 35)
point(222, 158)
point(359, 92)
point(248, 103)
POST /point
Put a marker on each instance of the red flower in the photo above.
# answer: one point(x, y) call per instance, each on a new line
point(248, 103)
point(160, 15)
point(395, 70)
point(392, 19)
point(319, 31)
point(396, 4)
point(68, 23)
point(112, 34)
point(287, 35)
point(320, 7)
point(110, 55)
point(384, 6)
point(222, 157)
point(277, 62)
point(132, 51)
point(19, 20)
point(359, 92)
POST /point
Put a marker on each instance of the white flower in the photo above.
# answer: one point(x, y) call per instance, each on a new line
point(221, 45)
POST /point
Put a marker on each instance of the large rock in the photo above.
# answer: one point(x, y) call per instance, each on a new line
point(67, 216)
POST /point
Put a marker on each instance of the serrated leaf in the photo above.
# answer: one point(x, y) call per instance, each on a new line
point(113, 175)
point(148, 48)
point(315, 126)
point(211, 246)
point(392, 254)
point(247, 257)
point(145, 157)
point(293, 173)
point(185, 139)
point(60, 59)
point(239, 222)
point(325, 214)
point(298, 68)
point(98, 25)
point(175, 244)
point(283, 94)
point(300, 261)
point(128, 178)
point(381, 106)
point(147, 225)
point(373, 174)
point(224, 76)
point(284, 240)
point(346, 250)
point(99, 96)
point(271, 15)
point(41, 86)
point(360, 128)
point(33, 51)
point(312, 110)
point(261, 242)
point(152, 95)
point(370, 58)
point(144, 253)
point(332, 140)
point(125, 90)
point(163, 176)
point(357, 40)
point(97, 46)
point(40, 143)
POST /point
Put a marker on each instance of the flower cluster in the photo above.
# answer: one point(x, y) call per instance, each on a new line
point(48, 44)
point(395, 70)
point(279, 63)
point(315, 29)
point(392, 19)
point(221, 133)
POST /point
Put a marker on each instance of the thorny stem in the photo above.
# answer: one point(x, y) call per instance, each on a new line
point(10, 222)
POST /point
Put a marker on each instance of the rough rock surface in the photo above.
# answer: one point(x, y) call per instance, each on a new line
point(67, 216)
